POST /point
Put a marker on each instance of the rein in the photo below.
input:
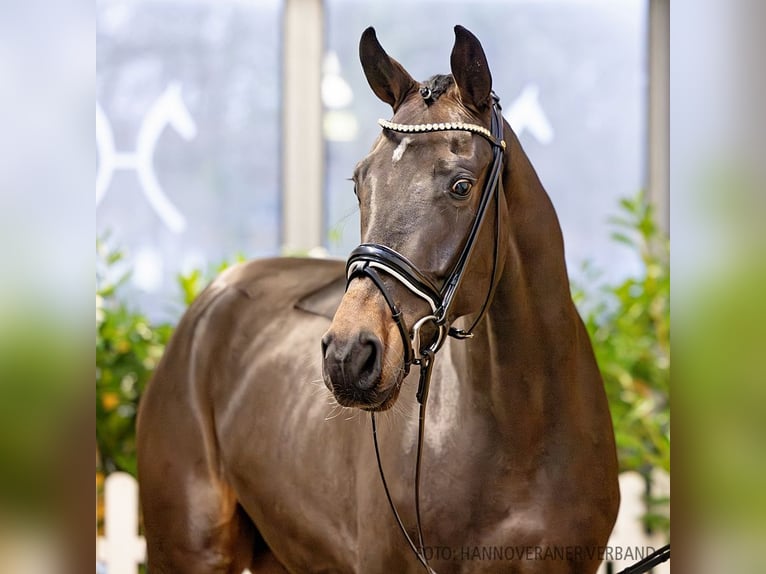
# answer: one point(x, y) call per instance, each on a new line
point(369, 258)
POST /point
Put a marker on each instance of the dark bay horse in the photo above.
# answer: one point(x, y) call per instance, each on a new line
point(246, 460)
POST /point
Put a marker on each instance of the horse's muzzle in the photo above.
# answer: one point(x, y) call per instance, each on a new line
point(352, 367)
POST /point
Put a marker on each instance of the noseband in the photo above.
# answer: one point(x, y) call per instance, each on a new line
point(370, 258)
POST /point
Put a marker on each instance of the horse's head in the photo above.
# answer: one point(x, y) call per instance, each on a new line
point(419, 192)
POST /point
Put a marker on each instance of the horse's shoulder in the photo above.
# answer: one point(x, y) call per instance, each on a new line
point(309, 284)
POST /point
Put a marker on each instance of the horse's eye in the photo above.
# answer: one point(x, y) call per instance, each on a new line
point(461, 188)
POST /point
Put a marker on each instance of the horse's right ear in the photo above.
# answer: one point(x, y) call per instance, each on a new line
point(471, 71)
point(387, 78)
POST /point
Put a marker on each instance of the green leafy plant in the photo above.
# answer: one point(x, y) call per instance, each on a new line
point(629, 324)
point(128, 348)
point(193, 282)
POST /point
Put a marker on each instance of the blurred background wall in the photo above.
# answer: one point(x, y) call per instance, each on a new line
point(232, 126)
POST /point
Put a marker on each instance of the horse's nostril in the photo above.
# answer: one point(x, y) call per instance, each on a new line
point(353, 362)
point(368, 360)
point(325, 344)
point(369, 364)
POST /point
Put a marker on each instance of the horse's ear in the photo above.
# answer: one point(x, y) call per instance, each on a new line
point(471, 71)
point(387, 78)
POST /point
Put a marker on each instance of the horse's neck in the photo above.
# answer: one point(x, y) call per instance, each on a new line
point(525, 357)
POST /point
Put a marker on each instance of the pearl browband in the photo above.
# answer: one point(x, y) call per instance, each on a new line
point(441, 127)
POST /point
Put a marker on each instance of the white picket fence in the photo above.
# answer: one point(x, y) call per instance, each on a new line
point(121, 549)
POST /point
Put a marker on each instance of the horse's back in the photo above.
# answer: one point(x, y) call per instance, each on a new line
point(263, 288)
point(285, 283)
point(241, 304)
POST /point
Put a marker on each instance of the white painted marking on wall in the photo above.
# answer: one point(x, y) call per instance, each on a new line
point(169, 109)
point(526, 113)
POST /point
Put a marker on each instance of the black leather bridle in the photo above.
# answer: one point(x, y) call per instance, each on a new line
point(368, 259)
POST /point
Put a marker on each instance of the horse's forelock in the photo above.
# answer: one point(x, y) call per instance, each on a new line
point(439, 85)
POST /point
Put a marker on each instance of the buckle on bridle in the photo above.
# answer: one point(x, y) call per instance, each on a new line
point(460, 334)
point(420, 354)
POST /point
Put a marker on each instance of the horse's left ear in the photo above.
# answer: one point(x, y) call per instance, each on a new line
point(471, 71)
